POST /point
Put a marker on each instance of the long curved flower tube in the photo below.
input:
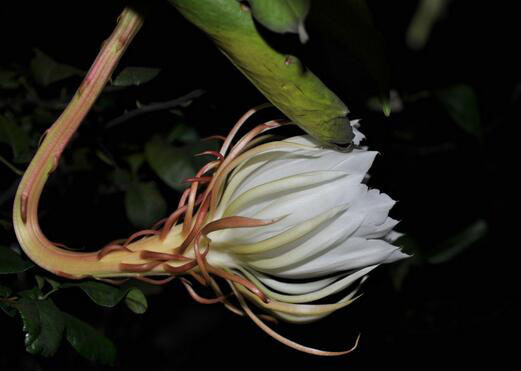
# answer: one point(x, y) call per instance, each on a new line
point(286, 223)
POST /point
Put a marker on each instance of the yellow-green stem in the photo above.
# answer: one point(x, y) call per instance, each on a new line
point(25, 213)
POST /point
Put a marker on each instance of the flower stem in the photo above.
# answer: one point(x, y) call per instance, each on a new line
point(25, 212)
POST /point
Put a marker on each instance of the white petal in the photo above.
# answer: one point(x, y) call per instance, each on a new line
point(354, 253)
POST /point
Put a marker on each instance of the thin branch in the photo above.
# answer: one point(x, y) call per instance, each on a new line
point(154, 107)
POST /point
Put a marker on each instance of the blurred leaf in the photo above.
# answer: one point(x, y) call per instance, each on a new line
point(87, 341)
point(282, 15)
point(135, 76)
point(171, 164)
point(144, 204)
point(182, 133)
point(422, 22)
point(459, 242)
point(100, 293)
point(43, 323)
point(11, 262)
point(47, 71)
point(461, 103)
point(135, 161)
point(17, 138)
point(136, 301)
point(122, 179)
point(8, 79)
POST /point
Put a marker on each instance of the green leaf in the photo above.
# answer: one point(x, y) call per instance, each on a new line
point(43, 323)
point(88, 342)
point(135, 76)
point(47, 71)
point(183, 133)
point(282, 15)
point(100, 293)
point(144, 204)
point(461, 103)
point(173, 165)
point(136, 301)
point(135, 161)
point(11, 262)
point(283, 80)
point(17, 138)
point(458, 243)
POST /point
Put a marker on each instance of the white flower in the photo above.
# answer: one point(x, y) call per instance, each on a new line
point(329, 228)
point(287, 224)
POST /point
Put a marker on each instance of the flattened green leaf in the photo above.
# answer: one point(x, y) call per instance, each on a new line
point(459, 242)
point(100, 293)
point(171, 164)
point(283, 79)
point(282, 15)
point(47, 71)
point(144, 204)
point(16, 137)
point(461, 103)
point(43, 324)
point(88, 342)
point(135, 76)
point(136, 301)
point(11, 262)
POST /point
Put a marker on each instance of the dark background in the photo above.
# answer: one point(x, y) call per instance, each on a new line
point(464, 310)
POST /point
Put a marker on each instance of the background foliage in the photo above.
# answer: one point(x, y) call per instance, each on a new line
point(455, 93)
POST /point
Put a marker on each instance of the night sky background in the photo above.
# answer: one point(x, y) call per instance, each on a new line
point(453, 302)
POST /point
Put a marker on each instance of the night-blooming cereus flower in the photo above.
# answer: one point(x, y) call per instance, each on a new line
point(285, 223)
